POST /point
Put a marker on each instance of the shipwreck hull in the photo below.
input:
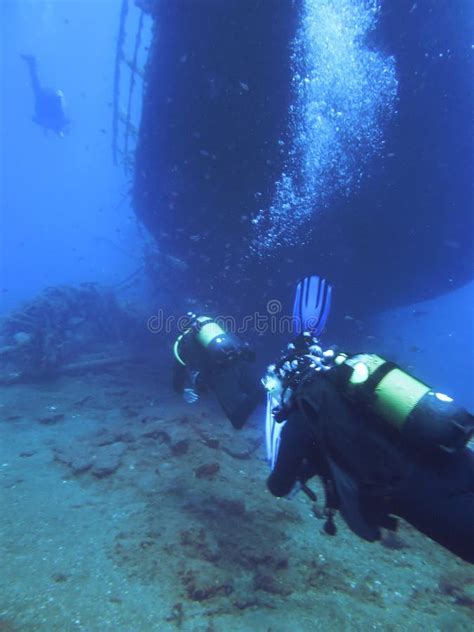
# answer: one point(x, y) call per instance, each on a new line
point(212, 144)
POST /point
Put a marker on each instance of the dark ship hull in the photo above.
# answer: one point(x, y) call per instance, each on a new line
point(216, 107)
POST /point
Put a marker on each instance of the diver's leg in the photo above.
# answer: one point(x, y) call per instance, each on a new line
point(441, 504)
point(32, 66)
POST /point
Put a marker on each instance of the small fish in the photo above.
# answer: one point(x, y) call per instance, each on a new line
point(414, 349)
point(417, 313)
point(451, 243)
point(176, 263)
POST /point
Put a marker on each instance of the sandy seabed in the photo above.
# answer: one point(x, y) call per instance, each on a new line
point(124, 509)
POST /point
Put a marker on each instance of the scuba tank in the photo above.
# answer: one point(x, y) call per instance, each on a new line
point(219, 346)
point(425, 418)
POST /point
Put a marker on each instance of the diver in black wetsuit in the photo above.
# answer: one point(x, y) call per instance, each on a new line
point(384, 444)
point(49, 104)
point(208, 357)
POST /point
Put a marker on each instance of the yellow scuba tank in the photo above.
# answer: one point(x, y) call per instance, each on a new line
point(424, 417)
point(220, 346)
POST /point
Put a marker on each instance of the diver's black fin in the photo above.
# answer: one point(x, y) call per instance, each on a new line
point(348, 494)
point(312, 305)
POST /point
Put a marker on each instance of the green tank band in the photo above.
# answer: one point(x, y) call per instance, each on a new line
point(208, 332)
point(397, 394)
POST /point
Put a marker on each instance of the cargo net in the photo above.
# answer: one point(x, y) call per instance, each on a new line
point(55, 328)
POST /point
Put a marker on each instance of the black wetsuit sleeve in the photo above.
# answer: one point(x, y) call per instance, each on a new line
point(292, 463)
point(179, 377)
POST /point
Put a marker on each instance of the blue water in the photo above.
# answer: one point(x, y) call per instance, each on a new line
point(66, 215)
point(267, 140)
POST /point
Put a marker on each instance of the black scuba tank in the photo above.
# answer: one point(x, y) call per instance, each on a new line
point(425, 418)
point(219, 346)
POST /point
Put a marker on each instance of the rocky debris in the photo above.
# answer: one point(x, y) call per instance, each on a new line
point(158, 435)
point(246, 452)
point(58, 325)
point(87, 400)
point(50, 420)
point(105, 436)
point(177, 614)
point(79, 458)
point(211, 442)
point(180, 447)
point(59, 578)
point(200, 545)
point(130, 412)
point(207, 470)
point(271, 584)
point(204, 587)
point(107, 460)
point(393, 541)
point(458, 585)
point(101, 461)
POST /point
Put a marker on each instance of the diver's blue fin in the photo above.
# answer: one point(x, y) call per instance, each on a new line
point(312, 305)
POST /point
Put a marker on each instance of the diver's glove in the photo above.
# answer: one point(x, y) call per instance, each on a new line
point(191, 392)
point(190, 396)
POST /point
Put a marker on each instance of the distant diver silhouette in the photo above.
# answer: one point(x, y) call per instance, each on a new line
point(49, 104)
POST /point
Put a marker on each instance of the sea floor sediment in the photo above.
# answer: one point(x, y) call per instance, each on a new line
point(124, 509)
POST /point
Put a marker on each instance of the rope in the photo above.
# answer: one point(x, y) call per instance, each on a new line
point(118, 59)
point(132, 81)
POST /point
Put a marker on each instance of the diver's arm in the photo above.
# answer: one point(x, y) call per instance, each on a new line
point(187, 383)
point(292, 464)
point(179, 378)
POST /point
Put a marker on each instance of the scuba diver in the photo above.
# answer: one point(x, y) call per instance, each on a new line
point(384, 444)
point(208, 357)
point(49, 104)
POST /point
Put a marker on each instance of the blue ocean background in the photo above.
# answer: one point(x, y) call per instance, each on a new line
point(146, 547)
point(66, 215)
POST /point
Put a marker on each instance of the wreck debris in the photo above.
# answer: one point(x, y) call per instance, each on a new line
point(48, 333)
